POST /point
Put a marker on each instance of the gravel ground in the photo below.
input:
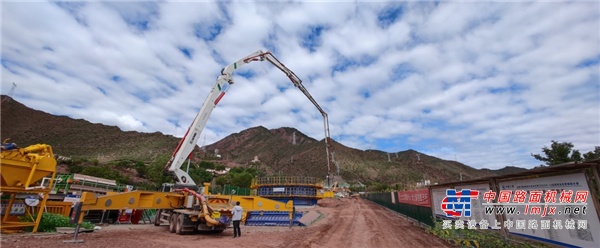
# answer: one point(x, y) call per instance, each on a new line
point(344, 223)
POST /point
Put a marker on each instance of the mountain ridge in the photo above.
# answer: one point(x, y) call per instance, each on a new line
point(275, 149)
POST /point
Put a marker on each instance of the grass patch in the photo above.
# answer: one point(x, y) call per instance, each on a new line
point(50, 222)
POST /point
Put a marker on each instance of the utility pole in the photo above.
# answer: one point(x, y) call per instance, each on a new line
point(9, 95)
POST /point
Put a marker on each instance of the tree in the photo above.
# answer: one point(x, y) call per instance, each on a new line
point(243, 179)
point(206, 165)
point(221, 181)
point(595, 154)
point(200, 175)
point(559, 153)
point(156, 171)
point(220, 167)
point(381, 187)
point(236, 170)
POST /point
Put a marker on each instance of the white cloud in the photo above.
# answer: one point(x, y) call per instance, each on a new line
point(484, 83)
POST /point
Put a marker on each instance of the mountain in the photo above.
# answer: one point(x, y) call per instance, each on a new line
point(278, 155)
point(275, 149)
point(506, 170)
point(77, 137)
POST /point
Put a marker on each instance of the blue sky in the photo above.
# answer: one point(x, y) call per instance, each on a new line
point(486, 84)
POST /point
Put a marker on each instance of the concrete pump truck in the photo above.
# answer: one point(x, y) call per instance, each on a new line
point(186, 208)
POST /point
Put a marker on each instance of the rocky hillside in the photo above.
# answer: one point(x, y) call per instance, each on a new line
point(278, 155)
point(275, 149)
point(78, 137)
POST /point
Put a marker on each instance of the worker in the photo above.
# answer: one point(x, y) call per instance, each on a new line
point(8, 146)
point(237, 217)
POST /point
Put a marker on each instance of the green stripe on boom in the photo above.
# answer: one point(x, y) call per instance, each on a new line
point(234, 65)
point(219, 86)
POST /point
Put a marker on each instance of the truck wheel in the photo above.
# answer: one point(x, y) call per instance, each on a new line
point(179, 225)
point(157, 217)
point(172, 222)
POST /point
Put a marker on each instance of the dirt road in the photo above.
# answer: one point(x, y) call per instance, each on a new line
point(344, 223)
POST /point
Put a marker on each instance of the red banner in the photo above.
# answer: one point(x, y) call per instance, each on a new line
point(419, 197)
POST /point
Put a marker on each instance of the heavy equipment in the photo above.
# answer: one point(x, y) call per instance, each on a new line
point(20, 170)
point(185, 208)
point(187, 144)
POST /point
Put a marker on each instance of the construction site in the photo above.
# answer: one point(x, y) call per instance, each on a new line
point(387, 219)
point(280, 210)
point(329, 222)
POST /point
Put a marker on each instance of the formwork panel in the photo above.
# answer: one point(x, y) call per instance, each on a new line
point(301, 190)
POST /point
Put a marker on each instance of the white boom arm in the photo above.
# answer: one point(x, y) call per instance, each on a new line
point(189, 141)
point(298, 83)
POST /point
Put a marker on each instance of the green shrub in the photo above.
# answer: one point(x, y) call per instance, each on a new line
point(206, 165)
point(75, 168)
point(124, 164)
point(141, 169)
point(50, 222)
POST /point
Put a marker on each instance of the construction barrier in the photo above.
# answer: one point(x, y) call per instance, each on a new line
point(235, 190)
point(418, 213)
point(272, 218)
point(555, 218)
